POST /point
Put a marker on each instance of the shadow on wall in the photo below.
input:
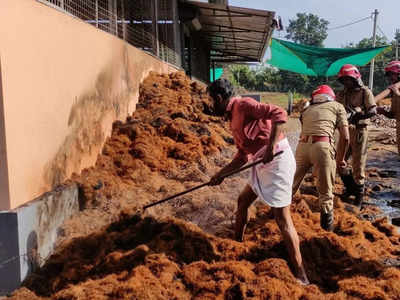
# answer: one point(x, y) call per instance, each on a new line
point(89, 118)
point(32, 252)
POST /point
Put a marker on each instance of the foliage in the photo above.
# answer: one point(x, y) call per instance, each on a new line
point(241, 75)
point(308, 29)
point(381, 60)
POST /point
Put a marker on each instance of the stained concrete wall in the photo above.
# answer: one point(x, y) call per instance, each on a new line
point(62, 84)
point(28, 234)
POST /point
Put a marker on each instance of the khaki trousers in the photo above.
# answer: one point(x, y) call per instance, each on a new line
point(359, 147)
point(320, 156)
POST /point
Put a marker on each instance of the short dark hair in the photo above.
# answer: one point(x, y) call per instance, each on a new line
point(222, 87)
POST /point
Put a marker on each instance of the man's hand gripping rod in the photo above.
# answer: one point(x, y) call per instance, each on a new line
point(207, 183)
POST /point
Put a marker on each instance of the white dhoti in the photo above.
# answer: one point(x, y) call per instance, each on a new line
point(272, 182)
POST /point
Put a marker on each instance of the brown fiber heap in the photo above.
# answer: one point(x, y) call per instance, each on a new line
point(172, 143)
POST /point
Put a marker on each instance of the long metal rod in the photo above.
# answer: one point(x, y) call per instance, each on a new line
point(371, 70)
point(397, 43)
point(207, 183)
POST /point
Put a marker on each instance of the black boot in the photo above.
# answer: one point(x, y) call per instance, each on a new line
point(349, 184)
point(327, 220)
point(359, 195)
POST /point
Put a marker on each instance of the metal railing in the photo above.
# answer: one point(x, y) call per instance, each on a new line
point(151, 25)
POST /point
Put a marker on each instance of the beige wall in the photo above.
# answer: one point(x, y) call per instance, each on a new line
point(63, 84)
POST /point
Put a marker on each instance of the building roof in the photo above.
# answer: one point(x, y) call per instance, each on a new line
point(234, 34)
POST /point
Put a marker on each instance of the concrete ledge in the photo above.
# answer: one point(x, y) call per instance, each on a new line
point(28, 234)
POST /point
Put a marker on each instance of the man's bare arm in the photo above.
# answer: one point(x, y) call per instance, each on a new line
point(276, 132)
point(235, 164)
point(385, 93)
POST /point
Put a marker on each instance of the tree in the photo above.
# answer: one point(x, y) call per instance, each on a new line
point(292, 82)
point(243, 76)
point(381, 61)
point(268, 79)
point(368, 42)
point(308, 29)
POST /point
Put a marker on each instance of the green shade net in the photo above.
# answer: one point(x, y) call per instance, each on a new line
point(218, 74)
point(317, 61)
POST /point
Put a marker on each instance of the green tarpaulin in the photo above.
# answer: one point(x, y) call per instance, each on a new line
point(317, 61)
point(218, 74)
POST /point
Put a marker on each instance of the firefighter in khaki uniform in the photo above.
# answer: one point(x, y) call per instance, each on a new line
point(392, 71)
point(359, 103)
point(316, 148)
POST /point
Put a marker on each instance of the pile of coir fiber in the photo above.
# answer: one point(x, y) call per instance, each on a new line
point(183, 249)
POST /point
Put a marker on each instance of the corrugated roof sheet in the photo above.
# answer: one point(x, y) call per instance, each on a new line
point(234, 34)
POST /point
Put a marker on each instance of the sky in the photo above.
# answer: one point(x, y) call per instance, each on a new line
point(339, 12)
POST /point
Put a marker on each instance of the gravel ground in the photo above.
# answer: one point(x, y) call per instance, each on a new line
point(383, 122)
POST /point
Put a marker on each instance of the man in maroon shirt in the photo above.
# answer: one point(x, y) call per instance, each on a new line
point(257, 130)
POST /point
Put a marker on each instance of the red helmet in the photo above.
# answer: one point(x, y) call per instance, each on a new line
point(393, 67)
point(323, 93)
point(349, 71)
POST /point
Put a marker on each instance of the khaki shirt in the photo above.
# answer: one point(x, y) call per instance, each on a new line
point(321, 119)
point(362, 99)
point(395, 107)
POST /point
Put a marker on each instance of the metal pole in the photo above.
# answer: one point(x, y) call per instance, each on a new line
point(290, 103)
point(116, 16)
point(189, 39)
point(123, 20)
point(371, 70)
point(397, 43)
point(177, 45)
point(110, 15)
point(213, 65)
point(97, 13)
point(156, 44)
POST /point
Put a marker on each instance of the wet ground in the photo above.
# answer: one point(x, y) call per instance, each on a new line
point(383, 169)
